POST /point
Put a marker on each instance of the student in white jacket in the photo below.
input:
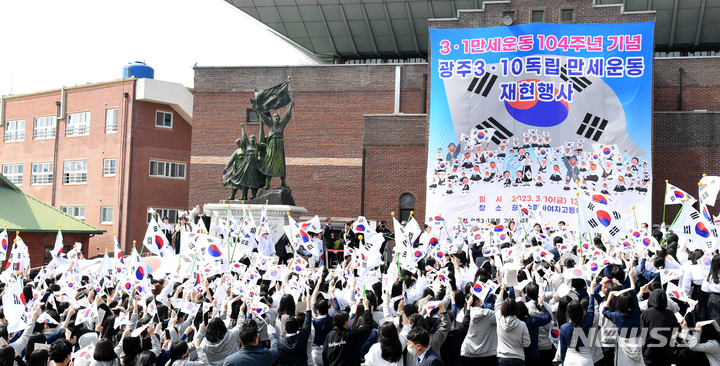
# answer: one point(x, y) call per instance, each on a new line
point(513, 335)
point(389, 350)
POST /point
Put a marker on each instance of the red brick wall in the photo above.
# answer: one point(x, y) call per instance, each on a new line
point(154, 143)
point(136, 119)
point(700, 83)
point(396, 162)
point(330, 103)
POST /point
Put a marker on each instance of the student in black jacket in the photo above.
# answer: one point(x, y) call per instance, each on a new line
point(293, 348)
point(658, 317)
point(342, 345)
point(450, 350)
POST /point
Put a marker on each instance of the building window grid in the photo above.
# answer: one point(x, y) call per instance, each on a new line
point(106, 214)
point(42, 174)
point(14, 173)
point(109, 167)
point(537, 16)
point(78, 124)
point(44, 127)
point(111, 120)
point(163, 169)
point(252, 117)
point(75, 172)
point(77, 212)
point(170, 213)
point(164, 119)
point(15, 130)
point(567, 15)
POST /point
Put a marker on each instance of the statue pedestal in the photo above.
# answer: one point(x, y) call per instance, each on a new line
point(277, 214)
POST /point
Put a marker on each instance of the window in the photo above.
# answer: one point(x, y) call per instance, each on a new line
point(44, 128)
point(163, 119)
point(407, 205)
point(77, 212)
point(78, 124)
point(14, 173)
point(537, 16)
point(252, 117)
point(15, 130)
point(171, 214)
point(75, 172)
point(567, 15)
point(111, 116)
point(42, 173)
point(106, 214)
point(108, 167)
point(161, 169)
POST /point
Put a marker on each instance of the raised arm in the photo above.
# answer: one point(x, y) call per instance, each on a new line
point(244, 135)
point(287, 115)
point(265, 120)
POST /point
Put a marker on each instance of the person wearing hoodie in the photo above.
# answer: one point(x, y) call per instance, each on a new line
point(480, 344)
point(293, 348)
point(658, 318)
point(342, 345)
point(220, 342)
point(513, 335)
point(628, 350)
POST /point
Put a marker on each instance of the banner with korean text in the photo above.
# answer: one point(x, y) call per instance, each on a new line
point(535, 112)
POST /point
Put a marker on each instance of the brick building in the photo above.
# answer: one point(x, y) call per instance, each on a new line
point(101, 152)
point(361, 142)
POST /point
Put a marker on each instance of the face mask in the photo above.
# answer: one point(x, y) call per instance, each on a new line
point(411, 350)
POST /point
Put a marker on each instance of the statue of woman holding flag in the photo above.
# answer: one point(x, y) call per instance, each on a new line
point(273, 165)
point(274, 98)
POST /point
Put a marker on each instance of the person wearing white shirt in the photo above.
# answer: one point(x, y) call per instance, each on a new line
point(266, 244)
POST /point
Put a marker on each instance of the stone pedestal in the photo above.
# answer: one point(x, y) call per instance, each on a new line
point(277, 214)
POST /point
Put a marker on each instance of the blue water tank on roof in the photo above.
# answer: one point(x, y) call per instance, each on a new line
point(138, 69)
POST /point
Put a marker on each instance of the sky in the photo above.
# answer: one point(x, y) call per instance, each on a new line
point(48, 44)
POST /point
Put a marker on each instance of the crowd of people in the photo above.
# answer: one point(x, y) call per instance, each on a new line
point(542, 297)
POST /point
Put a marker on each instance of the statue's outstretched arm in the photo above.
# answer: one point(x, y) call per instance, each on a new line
point(265, 120)
point(288, 114)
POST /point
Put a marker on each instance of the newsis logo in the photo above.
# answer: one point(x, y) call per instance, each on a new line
point(651, 337)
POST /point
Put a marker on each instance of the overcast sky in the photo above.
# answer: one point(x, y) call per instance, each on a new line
point(48, 44)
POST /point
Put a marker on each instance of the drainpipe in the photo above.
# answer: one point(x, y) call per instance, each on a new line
point(680, 97)
point(123, 130)
point(397, 90)
point(424, 93)
point(362, 184)
point(60, 116)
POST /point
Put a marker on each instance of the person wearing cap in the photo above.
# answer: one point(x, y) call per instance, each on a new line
point(266, 244)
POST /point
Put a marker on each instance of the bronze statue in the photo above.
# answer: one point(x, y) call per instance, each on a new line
point(245, 174)
point(231, 177)
point(273, 164)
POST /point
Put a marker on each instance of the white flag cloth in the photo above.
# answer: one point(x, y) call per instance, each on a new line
point(312, 226)
point(708, 190)
point(156, 241)
point(106, 267)
point(3, 244)
point(692, 226)
point(14, 308)
point(676, 196)
point(58, 248)
point(118, 260)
